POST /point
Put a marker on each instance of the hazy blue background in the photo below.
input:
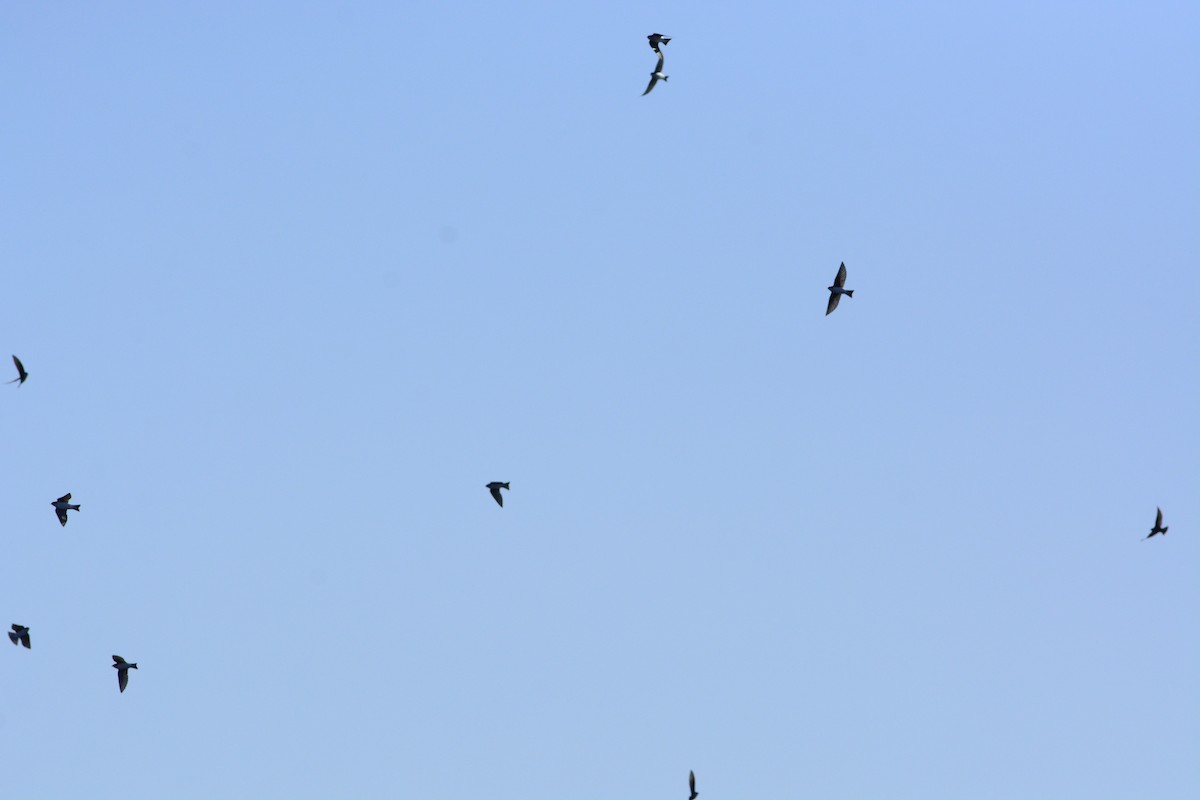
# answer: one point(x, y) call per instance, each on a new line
point(293, 282)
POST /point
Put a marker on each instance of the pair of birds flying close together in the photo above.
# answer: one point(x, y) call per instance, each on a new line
point(656, 39)
point(20, 635)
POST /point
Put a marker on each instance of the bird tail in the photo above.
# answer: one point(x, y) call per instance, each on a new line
point(133, 666)
point(849, 293)
point(664, 40)
point(505, 485)
point(1164, 531)
point(665, 78)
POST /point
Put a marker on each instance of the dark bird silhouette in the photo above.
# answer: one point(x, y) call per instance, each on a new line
point(692, 785)
point(122, 667)
point(19, 633)
point(494, 487)
point(656, 39)
point(837, 290)
point(61, 506)
point(1158, 526)
point(655, 76)
point(21, 373)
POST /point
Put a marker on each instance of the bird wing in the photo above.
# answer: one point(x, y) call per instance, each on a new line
point(1158, 519)
point(13, 636)
point(692, 780)
point(840, 280)
point(62, 516)
point(650, 85)
point(496, 494)
point(834, 299)
point(118, 660)
point(122, 678)
point(25, 638)
point(66, 498)
point(20, 367)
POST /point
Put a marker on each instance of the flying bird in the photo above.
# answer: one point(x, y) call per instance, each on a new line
point(656, 39)
point(692, 785)
point(1157, 529)
point(494, 487)
point(19, 633)
point(655, 76)
point(837, 290)
point(122, 667)
point(21, 373)
point(61, 505)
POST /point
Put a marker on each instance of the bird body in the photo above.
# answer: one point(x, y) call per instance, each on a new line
point(62, 506)
point(656, 39)
point(19, 634)
point(837, 290)
point(655, 76)
point(494, 487)
point(122, 667)
point(1158, 526)
point(21, 373)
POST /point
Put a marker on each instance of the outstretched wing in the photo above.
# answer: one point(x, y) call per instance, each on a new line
point(25, 638)
point(834, 299)
point(498, 497)
point(1158, 519)
point(122, 678)
point(650, 85)
point(840, 280)
point(692, 780)
point(66, 498)
point(62, 516)
point(20, 368)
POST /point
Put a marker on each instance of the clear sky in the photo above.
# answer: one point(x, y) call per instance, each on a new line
point(293, 281)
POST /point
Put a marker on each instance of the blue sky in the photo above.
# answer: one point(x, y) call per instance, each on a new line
point(294, 281)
